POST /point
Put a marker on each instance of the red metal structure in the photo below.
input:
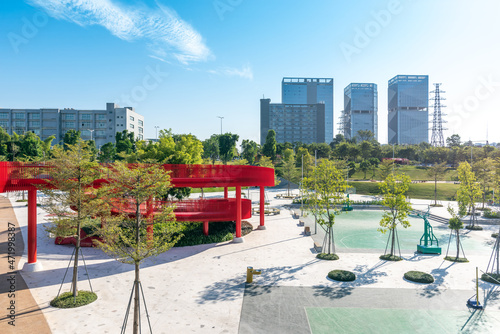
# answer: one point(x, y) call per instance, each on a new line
point(17, 176)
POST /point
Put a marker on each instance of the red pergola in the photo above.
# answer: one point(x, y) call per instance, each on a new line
point(17, 176)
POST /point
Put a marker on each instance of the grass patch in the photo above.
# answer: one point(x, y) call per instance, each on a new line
point(445, 191)
point(342, 275)
point(389, 257)
point(217, 232)
point(456, 259)
point(419, 277)
point(66, 299)
point(474, 228)
point(414, 172)
point(491, 278)
point(328, 257)
point(21, 200)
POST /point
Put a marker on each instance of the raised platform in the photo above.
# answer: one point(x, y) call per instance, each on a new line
point(428, 249)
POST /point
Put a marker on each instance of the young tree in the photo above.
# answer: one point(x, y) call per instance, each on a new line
point(325, 190)
point(69, 187)
point(436, 172)
point(484, 171)
point(455, 224)
point(289, 171)
point(468, 193)
point(374, 162)
point(394, 189)
point(129, 235)
point(364, 166)
point(107, 153)
point(386, 168)
point(269, 149)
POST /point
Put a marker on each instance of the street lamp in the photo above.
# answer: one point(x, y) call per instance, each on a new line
point(157, 127)
point(91, 132)
point(221, 118)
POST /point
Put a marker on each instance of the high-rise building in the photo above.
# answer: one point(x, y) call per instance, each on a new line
point(311, 91)
point(408, 102)
point(303, 123)
point(360, 109)
point(99, 125)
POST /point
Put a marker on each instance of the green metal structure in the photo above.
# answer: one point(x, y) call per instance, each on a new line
point(347, 205)
point(429, 244)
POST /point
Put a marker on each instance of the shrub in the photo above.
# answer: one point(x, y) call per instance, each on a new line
point(326, 256)
point(491, 278)
point(494, 235)
point(389, 257)
point(456, 259)
point(217, 232)
point(342, 275)
point(66, 299)
point(487, 213)
point(419, 277)
point(474, 228)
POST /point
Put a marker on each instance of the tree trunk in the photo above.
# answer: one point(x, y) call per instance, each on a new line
point(458, 245)
point(77, 247)
point(136, 299)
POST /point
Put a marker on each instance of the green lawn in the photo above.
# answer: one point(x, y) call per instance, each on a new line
point(414, 172)
point(445, 191)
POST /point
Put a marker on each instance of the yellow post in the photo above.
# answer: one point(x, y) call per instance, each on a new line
point(250, 273)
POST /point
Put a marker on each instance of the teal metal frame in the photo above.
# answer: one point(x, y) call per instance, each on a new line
point(429, 244)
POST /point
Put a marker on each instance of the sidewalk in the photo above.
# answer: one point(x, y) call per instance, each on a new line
point(28, 316)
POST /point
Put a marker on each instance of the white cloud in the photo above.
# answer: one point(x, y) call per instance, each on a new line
point(166, 33)
point(245, 72)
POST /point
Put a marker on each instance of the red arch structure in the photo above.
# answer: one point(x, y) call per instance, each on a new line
point(17, 176)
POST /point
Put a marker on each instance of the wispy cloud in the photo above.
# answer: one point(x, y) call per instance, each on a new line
point(245, 72)
point(166, 34)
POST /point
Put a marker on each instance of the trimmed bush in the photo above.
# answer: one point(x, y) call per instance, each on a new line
point(491, 278)
point(342, 275)
point(474, 228)
point(456, 259)
point(66, 300)
point(326, 256)
point(419, 277)
point(389, 257)
point(494, 235)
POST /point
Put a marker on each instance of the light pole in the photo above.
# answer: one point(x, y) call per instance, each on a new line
point(91, 132)
point(156, 128)
point(221, 118)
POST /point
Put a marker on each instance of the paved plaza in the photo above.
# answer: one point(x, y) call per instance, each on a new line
point(202, 289)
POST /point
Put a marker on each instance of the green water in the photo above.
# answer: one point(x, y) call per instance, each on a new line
point(358, 229)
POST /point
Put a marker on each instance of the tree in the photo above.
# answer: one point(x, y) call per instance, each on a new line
point(211, 148)
point(339, 138)
point(269, 149)
point(125, 144)
point(249, 150)
point(324, 191)
point(468, 192)
point(30, 147)
point(69, 187)
point(436, 172)
point(386, 168)
point(289, 171)
point(227, 146)
point(107, 153)
point(455, 224)
point(394, 189)
point(363, 135)
point(71, 138)
point(323, 150)
point(365, 148)
point(266, 162)
point(484, 171)
point(129, 235)
point(364, 166)
point(374, 162)
point(304, 160)
point(453, 141)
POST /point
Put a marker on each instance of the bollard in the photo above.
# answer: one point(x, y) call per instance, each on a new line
point(251, 272)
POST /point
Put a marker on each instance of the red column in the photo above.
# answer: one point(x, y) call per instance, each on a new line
point(262, 202)
point(226, 194)
point(32, 226)
point(205, 228)
point(238, 211)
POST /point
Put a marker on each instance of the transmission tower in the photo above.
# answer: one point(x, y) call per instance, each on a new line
point(437, 138)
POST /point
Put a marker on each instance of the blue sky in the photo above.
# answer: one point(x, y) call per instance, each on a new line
point(183, 63)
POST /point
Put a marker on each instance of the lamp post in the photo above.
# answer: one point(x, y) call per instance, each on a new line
point(221, 118)
point(91, 132)
point(156, 128)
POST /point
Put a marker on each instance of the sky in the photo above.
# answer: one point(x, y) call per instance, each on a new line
point(183, 63)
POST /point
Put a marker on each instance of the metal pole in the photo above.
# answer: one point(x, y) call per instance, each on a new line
point(301, 192)
point(156, 127)
point(221, 118)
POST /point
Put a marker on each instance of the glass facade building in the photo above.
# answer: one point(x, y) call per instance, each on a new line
point(408, 102)
point(311, 91)
point(360, 109)
point(303, 123)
